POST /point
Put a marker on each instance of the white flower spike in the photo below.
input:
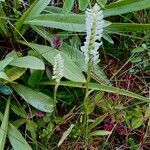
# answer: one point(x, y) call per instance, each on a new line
point(94, 30)
point(58, 68)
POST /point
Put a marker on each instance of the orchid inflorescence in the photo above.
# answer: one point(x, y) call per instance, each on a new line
point(58, 69)
point(94, 30)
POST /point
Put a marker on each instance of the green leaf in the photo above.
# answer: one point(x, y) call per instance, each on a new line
point(4, 76)
point(20, 22)
point(69, 22)
point(43, 33)
point(17, 123)
point(137, 122)
point(68, 4)
point(108, 38)
point(66, 134)
point(35, 78)
point(38, 100)
point(4, 126)
point(28, 62)
point(96, 122)
point(71, 70)
point(34, 10)
point(53, 10)
point(136, 59)
point(102, 2)
point(31, 127)
point(75, 54)
point(83, 4)
point(19, 111)
point(128, 27)
point(15, 137)
point(101, 87)
point(3, 25)
point(137, 50)
point(15, 73)
point(38, 8)
point(125, 6)
point(99, 133)
point(76, 23)
point(5, 62)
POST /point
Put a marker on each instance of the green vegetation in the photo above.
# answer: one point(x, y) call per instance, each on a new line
point(74, 74)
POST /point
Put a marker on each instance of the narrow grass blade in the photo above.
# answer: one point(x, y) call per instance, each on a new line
point(65, 134)
point(4, 126)
point(3, 25)
point(99, 133)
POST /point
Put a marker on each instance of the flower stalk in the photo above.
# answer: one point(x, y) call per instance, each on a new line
point(58, 73)
point(94, 29)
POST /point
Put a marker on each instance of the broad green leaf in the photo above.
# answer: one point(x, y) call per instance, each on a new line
point(101, 87)
point(5, 62)
point(15, 137)
point(15, 72)
point(83, 4)
point(35, 78)
point(75, 54)
point(14, 54)
point(76, 23)
point(78, 57)
point(4, 126)
point(71, 70)
point(127, 27)
point(68, 4)
point(69, 22)
point(38, 100)
point(4, 76)
point(99, 133)
point(125, 6)
point(28, 62)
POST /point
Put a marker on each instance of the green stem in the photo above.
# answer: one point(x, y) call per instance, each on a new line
point(86, 104)
point(55, 96)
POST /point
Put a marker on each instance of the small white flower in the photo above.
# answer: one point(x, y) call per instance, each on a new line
point(94, 30)
point(58, 68)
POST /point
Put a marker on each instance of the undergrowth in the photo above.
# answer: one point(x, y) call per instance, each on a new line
point(75, 74)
